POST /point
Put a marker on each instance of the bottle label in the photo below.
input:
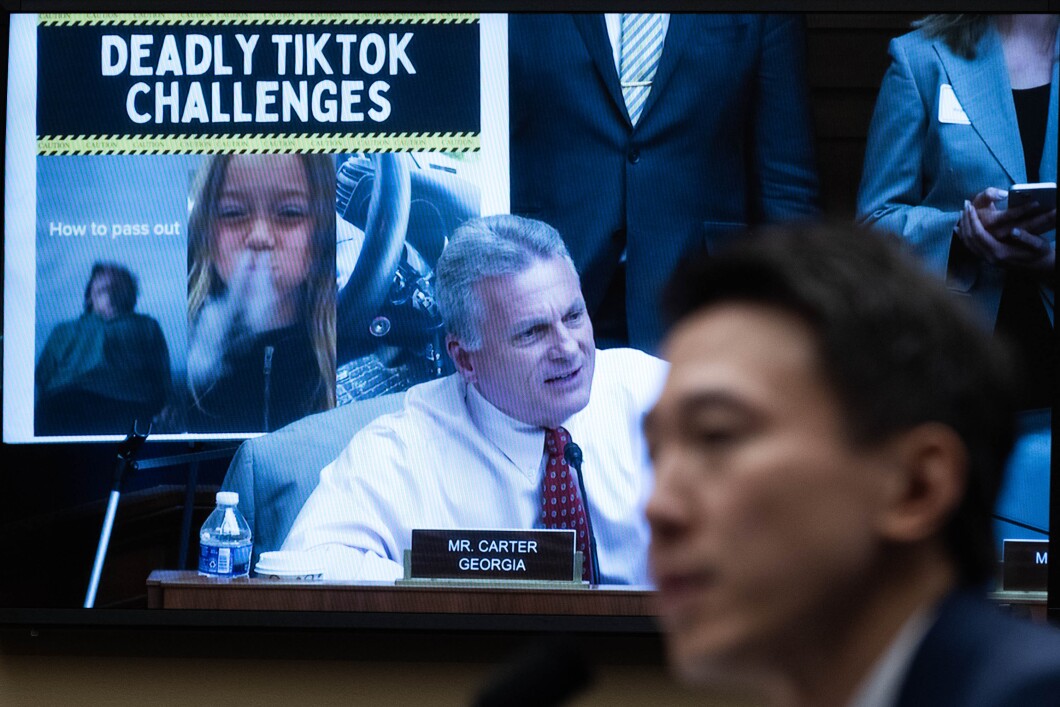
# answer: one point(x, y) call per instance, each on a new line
point(224, 561)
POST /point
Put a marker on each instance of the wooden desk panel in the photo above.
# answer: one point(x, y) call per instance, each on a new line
point(171, 589)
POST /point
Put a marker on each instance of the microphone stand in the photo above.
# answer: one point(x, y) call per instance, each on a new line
point(127, 451)
point(572, 454)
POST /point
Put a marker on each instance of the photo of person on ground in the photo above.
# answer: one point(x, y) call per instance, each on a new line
point(106, 369)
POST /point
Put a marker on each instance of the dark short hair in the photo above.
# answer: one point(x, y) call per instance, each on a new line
point(893, 344)
point(123, 288)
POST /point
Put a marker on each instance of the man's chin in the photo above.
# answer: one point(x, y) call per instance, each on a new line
point(566, 408)
point(718, 670)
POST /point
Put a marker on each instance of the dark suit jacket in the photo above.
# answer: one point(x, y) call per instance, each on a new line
point(974, 656)
point(724, 140)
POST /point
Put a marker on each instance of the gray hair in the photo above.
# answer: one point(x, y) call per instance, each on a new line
point(488, 247)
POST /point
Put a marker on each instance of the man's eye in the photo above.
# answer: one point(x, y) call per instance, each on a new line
point(530, 334)
point(575, 316)
point(716, 436)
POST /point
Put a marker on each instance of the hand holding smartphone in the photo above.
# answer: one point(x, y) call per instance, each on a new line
point(1042, 193)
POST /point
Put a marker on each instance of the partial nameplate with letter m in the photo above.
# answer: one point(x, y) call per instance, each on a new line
point(475, 556)
point(1026, 565)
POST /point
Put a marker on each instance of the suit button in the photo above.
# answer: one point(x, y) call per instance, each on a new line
point(634, 156)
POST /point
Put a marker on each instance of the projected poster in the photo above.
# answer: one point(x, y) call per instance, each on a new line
point(219, 224)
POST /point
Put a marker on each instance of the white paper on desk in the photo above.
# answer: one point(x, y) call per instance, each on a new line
point(950, 110)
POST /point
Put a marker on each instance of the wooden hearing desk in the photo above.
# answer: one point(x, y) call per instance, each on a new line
point(173, 589)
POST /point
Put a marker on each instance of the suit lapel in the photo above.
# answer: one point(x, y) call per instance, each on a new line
point(1047, 170)
point(983, 90)
point(594, 34)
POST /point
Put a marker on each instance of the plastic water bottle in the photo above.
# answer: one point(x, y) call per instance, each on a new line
point(225, 540)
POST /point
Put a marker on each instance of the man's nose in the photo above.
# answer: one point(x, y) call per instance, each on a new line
point(564, 343)
point(666, 510)
point(260, 236)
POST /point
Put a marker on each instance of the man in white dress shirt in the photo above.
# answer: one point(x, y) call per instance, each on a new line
point(468, 451)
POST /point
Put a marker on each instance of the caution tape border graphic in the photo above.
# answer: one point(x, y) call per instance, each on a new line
point(329, 143)
point(71, 19)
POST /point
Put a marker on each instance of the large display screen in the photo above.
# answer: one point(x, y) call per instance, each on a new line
point(221, 226)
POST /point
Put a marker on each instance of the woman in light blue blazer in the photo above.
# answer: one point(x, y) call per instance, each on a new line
point(945, 145)
point(968, 108)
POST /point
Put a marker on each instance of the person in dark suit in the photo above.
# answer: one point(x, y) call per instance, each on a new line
point(719, 138)
point(828, 448)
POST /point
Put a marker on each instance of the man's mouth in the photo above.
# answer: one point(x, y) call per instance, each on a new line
point(679, 591)
point(563, 378)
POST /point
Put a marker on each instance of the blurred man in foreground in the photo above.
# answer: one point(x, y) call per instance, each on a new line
point(828, 448)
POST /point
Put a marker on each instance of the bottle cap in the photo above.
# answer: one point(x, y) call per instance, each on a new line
point(227, 498)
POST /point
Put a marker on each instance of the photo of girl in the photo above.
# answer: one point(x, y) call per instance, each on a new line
point(261, 291)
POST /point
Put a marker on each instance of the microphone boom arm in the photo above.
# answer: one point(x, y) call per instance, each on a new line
point(572, 454)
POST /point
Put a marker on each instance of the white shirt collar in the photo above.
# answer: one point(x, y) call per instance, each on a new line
point(882, 685)
point(523, 444)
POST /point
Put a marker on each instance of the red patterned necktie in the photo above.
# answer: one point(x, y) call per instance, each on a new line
point(561, 502)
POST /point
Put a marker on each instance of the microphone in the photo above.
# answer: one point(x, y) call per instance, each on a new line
point(572, 454)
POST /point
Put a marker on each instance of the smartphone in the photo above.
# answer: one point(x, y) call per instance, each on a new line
point(1044, 193)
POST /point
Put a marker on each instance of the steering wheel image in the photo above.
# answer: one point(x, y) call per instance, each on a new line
point(390, 333)
point(383, 197)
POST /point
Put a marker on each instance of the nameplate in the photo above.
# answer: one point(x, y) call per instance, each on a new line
point(1026, 565)
point(525, 555)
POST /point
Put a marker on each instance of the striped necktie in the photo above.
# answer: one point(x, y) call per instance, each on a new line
point(642, 41)
point(561, 500)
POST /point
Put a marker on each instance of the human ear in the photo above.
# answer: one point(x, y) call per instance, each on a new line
point(461, 358)
point(928, 476)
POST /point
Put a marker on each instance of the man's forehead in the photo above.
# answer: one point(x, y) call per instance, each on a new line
point(728, 327)
point(536, 287)
point(732, 347)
